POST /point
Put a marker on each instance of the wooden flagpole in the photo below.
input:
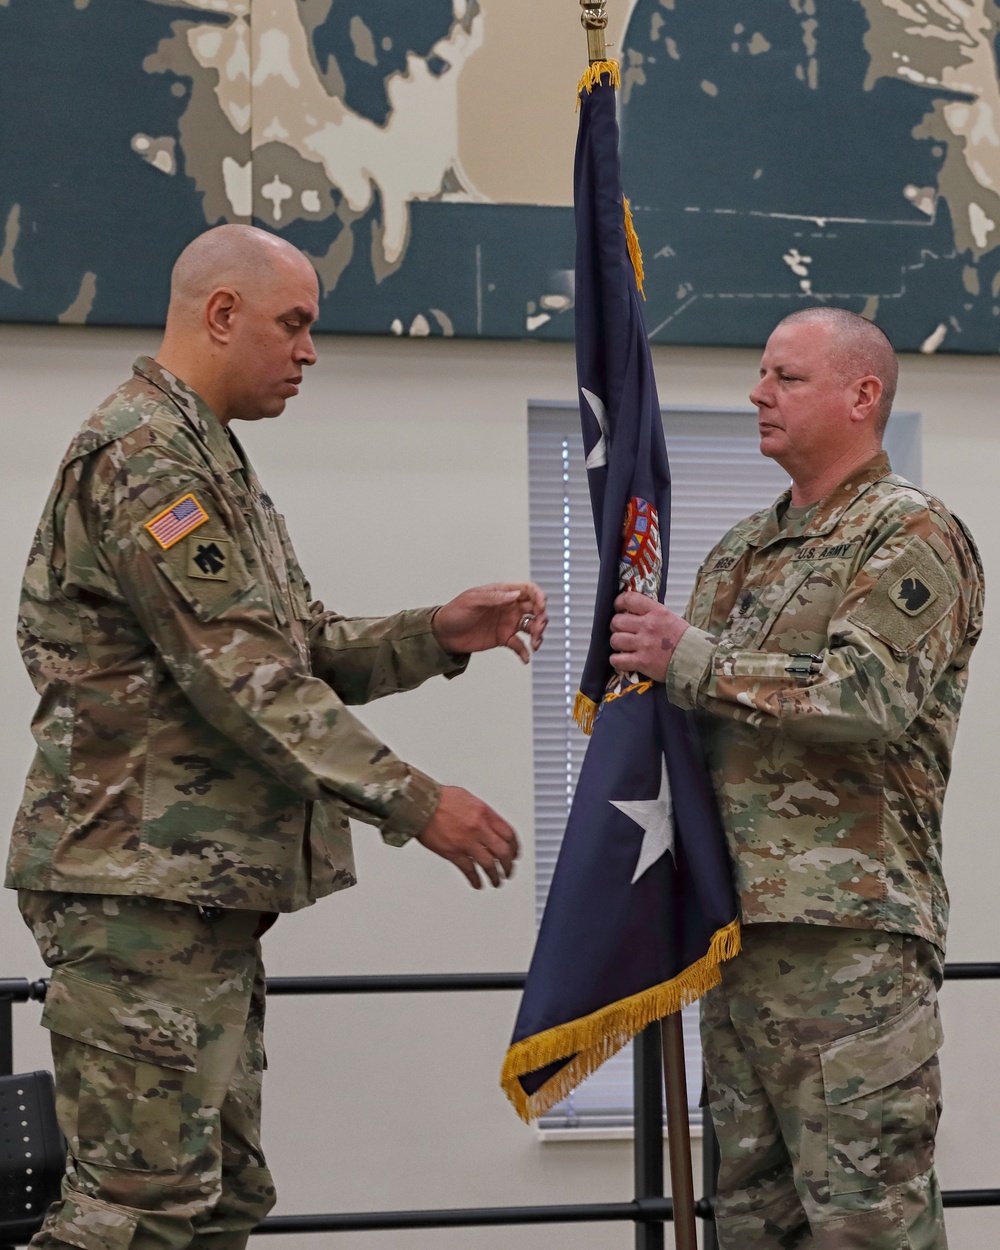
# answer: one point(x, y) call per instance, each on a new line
point(678, 1133)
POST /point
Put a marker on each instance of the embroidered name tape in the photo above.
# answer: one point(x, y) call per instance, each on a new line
point(177, 521)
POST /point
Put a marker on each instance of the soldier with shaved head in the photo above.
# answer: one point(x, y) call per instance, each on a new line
point(826, 647)
point(197, 761)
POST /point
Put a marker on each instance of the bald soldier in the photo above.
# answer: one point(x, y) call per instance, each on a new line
point(826, 645)
point(197, 763)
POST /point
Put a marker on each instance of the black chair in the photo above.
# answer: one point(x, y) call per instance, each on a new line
point(32, 1154)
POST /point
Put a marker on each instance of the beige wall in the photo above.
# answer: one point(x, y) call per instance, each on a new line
point(402, 471)
point(531, 60)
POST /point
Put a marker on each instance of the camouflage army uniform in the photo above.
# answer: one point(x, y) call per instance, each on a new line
point(156, 1014)
point(829, 657)
point(195, 772)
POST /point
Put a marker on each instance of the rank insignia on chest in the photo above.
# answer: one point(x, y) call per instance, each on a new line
point(176, 522)
point(911, 594)
point(209, 559)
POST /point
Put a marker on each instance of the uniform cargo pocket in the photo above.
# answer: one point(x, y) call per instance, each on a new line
point(882, 1089)
point(89, 1224)
point(120, 1063)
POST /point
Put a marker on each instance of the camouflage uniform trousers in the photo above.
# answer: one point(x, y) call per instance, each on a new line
point(156, 1013)
point(821, 1058)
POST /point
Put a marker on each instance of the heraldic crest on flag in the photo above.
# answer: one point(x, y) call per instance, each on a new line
point(642, 908)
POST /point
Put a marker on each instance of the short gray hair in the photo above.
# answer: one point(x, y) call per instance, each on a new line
point(860, 348)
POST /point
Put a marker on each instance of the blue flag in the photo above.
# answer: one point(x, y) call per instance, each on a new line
point(642, 907)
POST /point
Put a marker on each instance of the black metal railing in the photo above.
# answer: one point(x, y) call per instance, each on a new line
point(649, 1209)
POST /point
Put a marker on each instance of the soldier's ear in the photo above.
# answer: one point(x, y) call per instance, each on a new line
point(867, 397)
point(221, 308)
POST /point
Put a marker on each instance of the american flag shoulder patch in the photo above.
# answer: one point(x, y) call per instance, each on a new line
point(177, 521)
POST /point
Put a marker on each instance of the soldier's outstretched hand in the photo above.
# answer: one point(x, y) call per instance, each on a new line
point(493, 616)
point(470, 834)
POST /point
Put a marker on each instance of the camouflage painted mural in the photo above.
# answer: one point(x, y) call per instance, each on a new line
point(777, 152)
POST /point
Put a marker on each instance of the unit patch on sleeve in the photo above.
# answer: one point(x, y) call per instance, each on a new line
point(911, 594)
point(909, 598)
point(176, 522)
point(209, 559)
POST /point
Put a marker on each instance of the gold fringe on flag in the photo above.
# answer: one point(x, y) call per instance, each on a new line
point(592, 78)
point(585, 709)
point(585, 712)
point(634, 250)
point(595, 1038)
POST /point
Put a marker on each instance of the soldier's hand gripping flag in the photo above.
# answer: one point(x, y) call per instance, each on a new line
point(642, 907)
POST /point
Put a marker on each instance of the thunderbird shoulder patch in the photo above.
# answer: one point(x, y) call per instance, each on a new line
point(209, 559)
point(176, 522)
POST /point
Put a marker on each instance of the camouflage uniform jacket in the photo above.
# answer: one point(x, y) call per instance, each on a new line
point(830, 654)
point(193, 739)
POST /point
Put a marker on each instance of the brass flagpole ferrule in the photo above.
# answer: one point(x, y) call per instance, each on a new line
point(595, 22)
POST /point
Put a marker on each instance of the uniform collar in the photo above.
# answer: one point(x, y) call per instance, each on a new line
point(829, 510)
point(194, 410)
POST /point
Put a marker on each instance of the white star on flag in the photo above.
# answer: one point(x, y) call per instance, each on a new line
point(599, 454)
point(656, 817)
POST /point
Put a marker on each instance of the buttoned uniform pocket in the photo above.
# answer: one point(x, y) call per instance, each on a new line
point(882, 1090)
point(121, 1061)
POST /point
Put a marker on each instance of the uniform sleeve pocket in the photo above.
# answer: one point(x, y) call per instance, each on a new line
point(882, 1092)
point(207, 570)
point(196, 546)
point(910, 597)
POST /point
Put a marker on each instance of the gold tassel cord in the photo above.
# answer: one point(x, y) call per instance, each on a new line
point(592, 78)
point(585, 712)
point(595, 1038)
point(634, 250)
